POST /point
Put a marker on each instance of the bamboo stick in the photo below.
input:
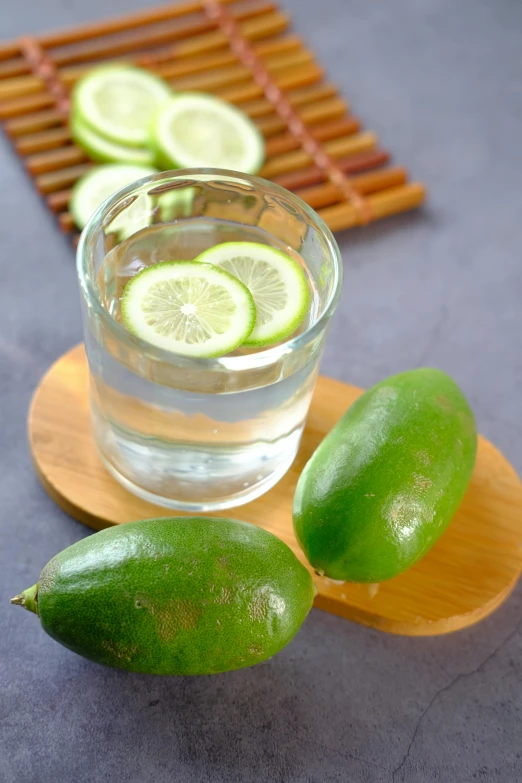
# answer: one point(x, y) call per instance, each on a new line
point(253, 30)
point(59, 200)
point(323, 195)
point(44, 162)
point(66, 221)
point(30, 123)
point(9, 50)
point(316, 112)
point(14, 67)
point(351, 165)
point(297, 97)
point(224, 77)
point(286, 142)
point(382, 204)
point(43, 140)
point(336, 148)
point(295, 77)
point(165, 32)
point(56, 180)
point(25, 104)
point(20, 85)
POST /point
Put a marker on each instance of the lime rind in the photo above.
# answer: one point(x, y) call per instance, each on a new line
point(188, 308)
point(288, 278)
point(100, 182)
point(197, 130)
point(104, 150)
point(132, 96)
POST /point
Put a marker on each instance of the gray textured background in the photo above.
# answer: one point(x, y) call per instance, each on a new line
point(441, 82)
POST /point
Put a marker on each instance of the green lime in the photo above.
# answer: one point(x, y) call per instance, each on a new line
point(98, 184)
point(190, 308)
point(386, 481)
point(104, 150)
point(119, 101)
point(277, 283)
point(174, 596)
point(195, 130)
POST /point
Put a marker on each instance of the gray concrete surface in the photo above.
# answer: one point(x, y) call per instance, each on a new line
point(442, 83)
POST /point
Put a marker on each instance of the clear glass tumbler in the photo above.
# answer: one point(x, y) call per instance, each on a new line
point(199, 434)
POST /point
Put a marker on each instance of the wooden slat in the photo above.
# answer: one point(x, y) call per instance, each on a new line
point(33, 122)
point(382, 204)
point(286, 142)
point(9, 51)
point(337, 148)
point(122, 23)
point(43, 162)
point(312, 175)
point(140, 39)
point(14, 67)
point(252, 30)
point(326, 194)
point(43, 140)
point(25, 104)
point(297, 97)
point(219, 78)
point(20, 85)
point(294, 77)
point(63, 178)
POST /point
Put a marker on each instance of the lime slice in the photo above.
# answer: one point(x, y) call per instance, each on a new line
point(191, 308)
point(98, 184)
point(104, 150)
point(277, 283)
point(176, 203)
point(119, 101)
point(194, 130)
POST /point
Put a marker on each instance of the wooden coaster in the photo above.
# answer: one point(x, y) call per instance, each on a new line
point(467, 574)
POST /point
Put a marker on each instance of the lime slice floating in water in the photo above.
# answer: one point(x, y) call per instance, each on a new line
point(98, 184)
point(104, 150)
point(190, 308)
point(194, 130)
point(277, 283)
point(118, 102)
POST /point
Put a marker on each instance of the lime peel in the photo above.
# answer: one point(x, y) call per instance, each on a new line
point(276, 282)
point(189, 308)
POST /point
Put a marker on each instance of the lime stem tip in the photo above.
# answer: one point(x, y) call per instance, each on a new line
point(28, 599)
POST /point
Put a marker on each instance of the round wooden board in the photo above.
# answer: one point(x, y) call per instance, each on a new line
point(468, 573)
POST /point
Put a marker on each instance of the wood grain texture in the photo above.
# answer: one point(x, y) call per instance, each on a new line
point(467, 574)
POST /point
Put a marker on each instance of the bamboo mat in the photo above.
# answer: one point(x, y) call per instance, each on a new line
point(240, 50)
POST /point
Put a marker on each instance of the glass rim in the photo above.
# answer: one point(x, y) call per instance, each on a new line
point(261, 358)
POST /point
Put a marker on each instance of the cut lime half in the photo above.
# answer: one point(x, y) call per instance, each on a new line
point(195, 130)
point(119, 101)
point(98, 184)
point(277, 283)
point(189, 308)
point(104, 150)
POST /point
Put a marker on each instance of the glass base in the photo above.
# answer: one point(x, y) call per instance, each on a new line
point(209, 505)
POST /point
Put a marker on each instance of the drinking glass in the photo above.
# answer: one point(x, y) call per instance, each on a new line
point(199, 434)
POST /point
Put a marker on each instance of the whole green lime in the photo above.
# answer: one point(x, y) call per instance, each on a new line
point(386, 481)
point(174, 596)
